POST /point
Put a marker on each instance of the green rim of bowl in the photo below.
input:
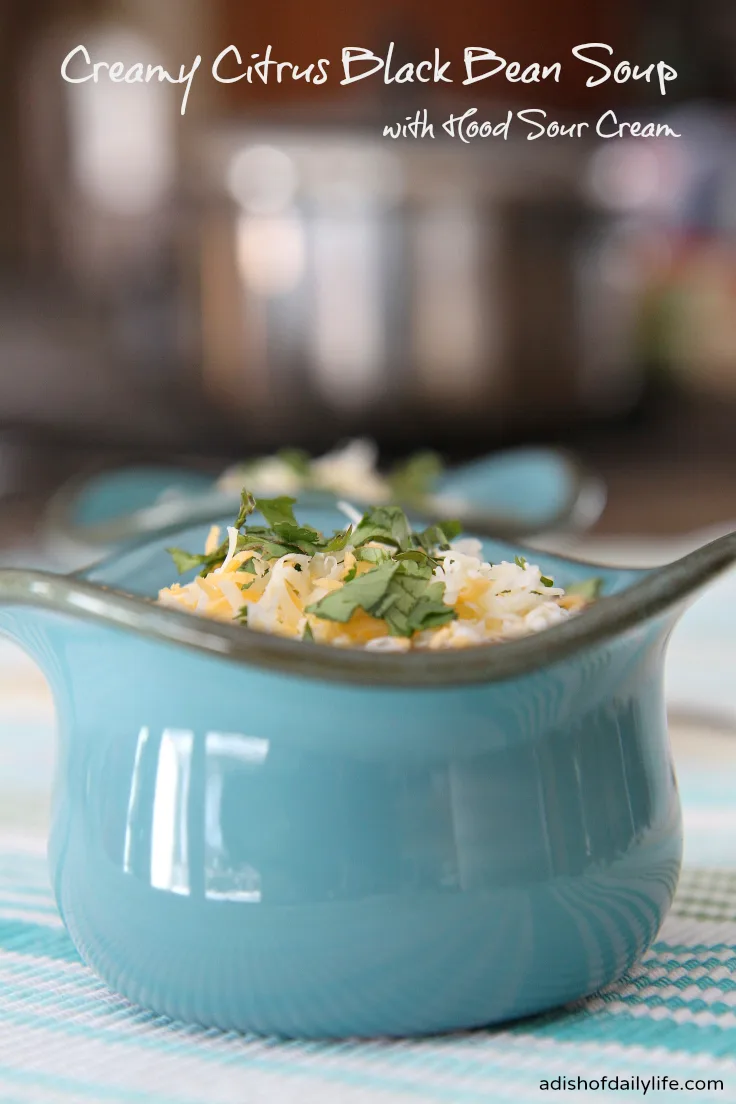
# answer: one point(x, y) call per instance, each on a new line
point(654, 593)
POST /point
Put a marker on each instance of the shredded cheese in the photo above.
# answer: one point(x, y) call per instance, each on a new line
point(492, 602)
point(351, 470)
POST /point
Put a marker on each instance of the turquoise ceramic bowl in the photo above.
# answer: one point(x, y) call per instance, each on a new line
point(512, 493)
point(279, 837)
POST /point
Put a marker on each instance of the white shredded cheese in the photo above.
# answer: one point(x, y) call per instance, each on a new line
point(350, 470)
point(492, 602)
point(232, 535)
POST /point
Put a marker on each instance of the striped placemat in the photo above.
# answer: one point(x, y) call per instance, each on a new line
point(65, 1037)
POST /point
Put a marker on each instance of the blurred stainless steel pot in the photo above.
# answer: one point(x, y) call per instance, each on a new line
point(416, 290)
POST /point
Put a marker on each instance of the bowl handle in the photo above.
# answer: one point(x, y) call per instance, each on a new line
point(672, 584)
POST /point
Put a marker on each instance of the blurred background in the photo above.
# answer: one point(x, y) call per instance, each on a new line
point(270, 271)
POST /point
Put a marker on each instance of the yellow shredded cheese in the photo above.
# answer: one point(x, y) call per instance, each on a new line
point(492, 603)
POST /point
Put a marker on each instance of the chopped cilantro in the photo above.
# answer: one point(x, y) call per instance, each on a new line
point(297, 460)
point(412, 603)
point(268, 547)
point(372, 555)
point(337, 541)
point(586, 588)
point(247, 506)
point(417, 556)
point(277, 510)
point(364, 592)
point(400, 587)
point(546, 581)
point(437, 536)
point(520, 561)
point(416, 477)
point(387, 524)
point(400, 591)
point(430, 611)
point(185, 561)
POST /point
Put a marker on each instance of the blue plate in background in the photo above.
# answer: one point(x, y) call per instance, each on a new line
point(517, 493)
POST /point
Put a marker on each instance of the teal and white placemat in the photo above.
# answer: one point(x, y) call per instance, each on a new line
point(65, 1037)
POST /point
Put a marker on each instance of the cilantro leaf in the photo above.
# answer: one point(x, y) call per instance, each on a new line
point(282, 535)
point(430, 611)
point(520, 561)
point(295, 534)
point(546, 581)
point(416, 564)
point(302, 537)
point(363, 592)
point(247, 506)
point(297, 460)
point(185, 561)
point(266, 546)
point(399, 600)
point(437, 536)
point(412, 601)
point(416, 477)
point(586, 588)
point(451, 529)
point(387, 524)
point(337, 541)
point(277, 510)
point(372, 555)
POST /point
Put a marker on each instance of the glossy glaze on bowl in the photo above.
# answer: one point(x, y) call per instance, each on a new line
point(298, 846)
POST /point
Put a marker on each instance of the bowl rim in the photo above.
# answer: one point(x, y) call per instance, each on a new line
point(654, 593)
